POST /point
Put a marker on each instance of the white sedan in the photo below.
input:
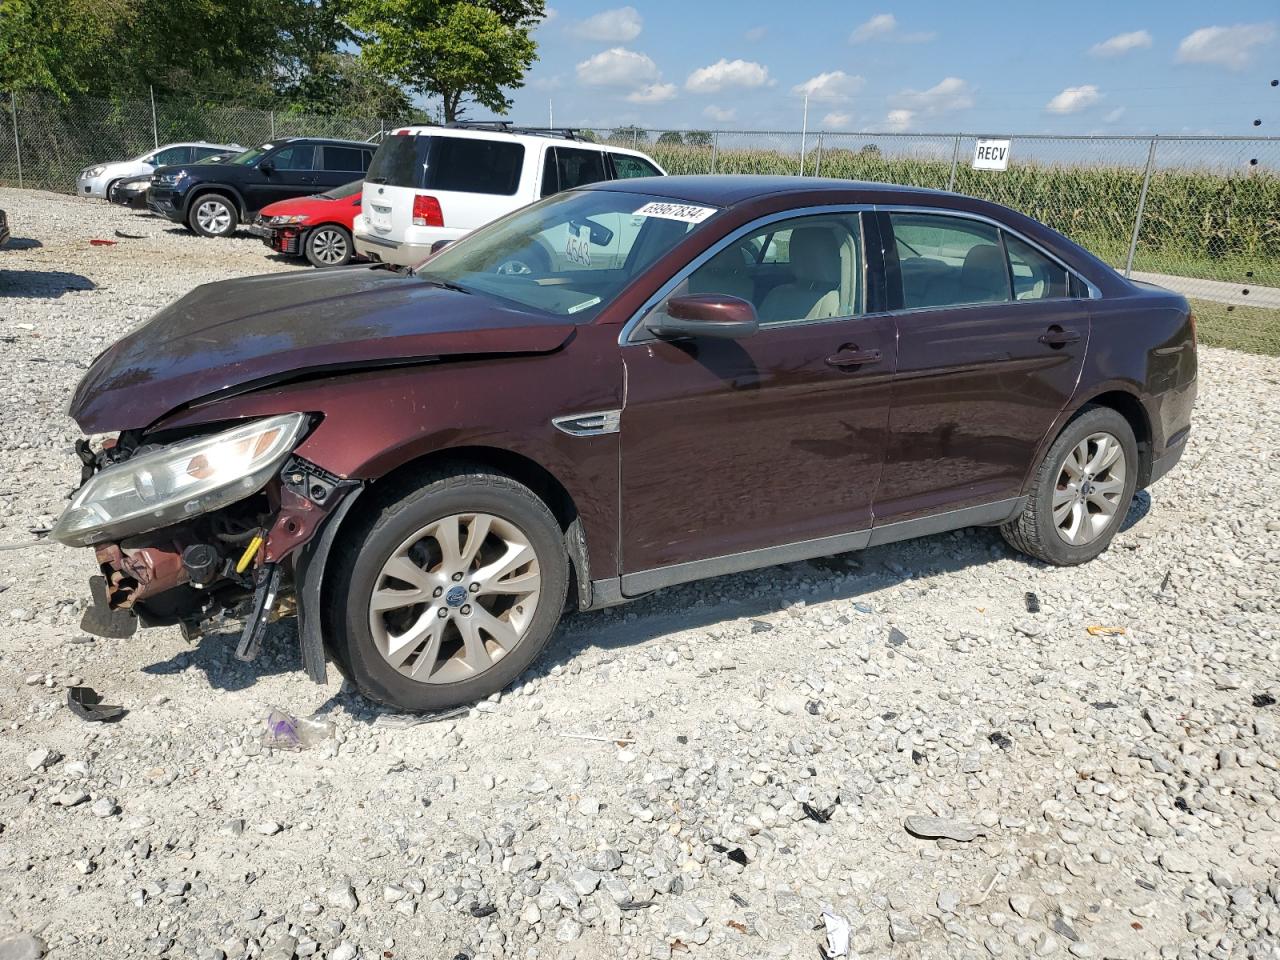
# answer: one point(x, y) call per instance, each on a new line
point(95, 181)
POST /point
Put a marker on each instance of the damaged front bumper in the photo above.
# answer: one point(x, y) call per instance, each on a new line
point(259, 559)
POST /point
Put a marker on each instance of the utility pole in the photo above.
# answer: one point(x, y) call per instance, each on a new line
point(804, 131)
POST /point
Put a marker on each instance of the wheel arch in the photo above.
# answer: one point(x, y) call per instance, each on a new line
point(225, 189)
point(1117, 397)
point(544, 484)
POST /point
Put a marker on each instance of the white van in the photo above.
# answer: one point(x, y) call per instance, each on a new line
point(427, 184)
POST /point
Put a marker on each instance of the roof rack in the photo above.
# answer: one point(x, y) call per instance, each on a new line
point(506, 126)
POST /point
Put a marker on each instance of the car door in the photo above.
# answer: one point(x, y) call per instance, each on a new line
point(992, 336)
point(289, 172)
point(339, 165)
point(741, 453)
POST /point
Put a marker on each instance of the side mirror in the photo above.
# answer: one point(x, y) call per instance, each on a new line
point(601, 236)
point(267, 167)
point(705, 315)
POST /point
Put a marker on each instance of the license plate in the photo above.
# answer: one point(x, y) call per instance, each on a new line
point(379, 217)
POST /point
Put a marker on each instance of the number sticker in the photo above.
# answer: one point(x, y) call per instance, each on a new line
point(577, 249)
point(684, 212)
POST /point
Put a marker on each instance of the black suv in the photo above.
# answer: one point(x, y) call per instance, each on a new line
point(211, 198)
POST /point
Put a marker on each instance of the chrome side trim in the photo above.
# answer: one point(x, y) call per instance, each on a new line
point(624, 337)
point(589, 424)
point(984, 514)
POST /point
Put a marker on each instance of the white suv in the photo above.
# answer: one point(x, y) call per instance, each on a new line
point(428, 184)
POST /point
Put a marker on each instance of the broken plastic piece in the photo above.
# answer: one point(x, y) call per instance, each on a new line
point(287, 732)
point(1100, 631)
point(821, 816)
point(838, 933)
point(101, 243)
point(1033, 602)
point(86, 704)
point(264, 598)
point(896, 637)
point(1263, 700)
point(485, 910)
point(101, 619)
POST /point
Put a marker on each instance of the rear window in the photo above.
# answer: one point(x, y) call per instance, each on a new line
point(465, 165)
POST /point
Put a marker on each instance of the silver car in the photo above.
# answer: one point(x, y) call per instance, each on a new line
point(96, 181)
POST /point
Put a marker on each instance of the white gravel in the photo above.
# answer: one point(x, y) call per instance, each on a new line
point(1069, 794)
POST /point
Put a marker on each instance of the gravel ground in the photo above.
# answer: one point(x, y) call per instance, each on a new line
point(890, 735)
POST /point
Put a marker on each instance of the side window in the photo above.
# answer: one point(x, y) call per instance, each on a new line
point(344, 159)
point(811, 270)
point(1035, 276)
point(171, 155)
point(201, 153)
point(627, 166)
point(550, 174)
point(947, 261)
point(296, 156)
point(473, 165)
point(366, 158)
point(576, 167)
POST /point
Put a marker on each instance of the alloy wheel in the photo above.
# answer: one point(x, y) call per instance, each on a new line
point(1090, 487)
point(213, 216)
point(329, 246)
point(455, 597)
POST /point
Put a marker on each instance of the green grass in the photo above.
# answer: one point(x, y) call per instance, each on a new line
point(1251, 329)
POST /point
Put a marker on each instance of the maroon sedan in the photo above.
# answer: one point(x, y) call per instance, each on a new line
point(710, 374)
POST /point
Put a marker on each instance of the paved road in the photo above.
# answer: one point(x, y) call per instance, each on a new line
point(1216, 290)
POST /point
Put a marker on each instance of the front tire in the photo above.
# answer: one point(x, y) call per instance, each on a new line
point(213, 215)
point(446, 592)
point(1081, 493)
point(328, 245)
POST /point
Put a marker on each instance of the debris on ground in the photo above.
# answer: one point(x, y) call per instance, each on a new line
point(287, 732)
point(1101, 631)
point(838, 934)
point(939, 828)
point(86, 704)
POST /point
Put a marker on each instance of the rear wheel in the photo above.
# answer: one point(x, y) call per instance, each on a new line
point(446, 593)
point(213, 215)
point(328, 245)
point(1081, 492)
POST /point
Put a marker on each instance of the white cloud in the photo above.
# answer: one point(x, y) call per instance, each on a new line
point(881, 25)
point(884, 26)
point(949, 94)
point(1121, 43)
point(1114, 115)
point(832, 87)
point(1074, 99)
point(653, 93)
point(549, 14)
point(719, 114)
point(756, 34)
point(1230, 47)
point(610, 26)
point(724, 74)
point(899, 120)
point(835, 119)
point(618, 67)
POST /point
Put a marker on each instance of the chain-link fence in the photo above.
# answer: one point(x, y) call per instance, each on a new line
point(1199, 214)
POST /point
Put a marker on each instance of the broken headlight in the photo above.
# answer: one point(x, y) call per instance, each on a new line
point(161, 487)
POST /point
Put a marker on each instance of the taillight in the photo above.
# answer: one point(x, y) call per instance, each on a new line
point(1191, 318)
point(426, 211)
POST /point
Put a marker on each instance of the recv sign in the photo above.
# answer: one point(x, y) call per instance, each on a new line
point(991, 155)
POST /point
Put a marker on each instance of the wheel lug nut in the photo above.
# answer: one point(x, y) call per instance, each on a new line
point(457, 577)
point(474, 588)
point(437, 591)
point(444, 612)
point(466, 609)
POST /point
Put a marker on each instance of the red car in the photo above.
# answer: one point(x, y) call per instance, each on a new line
point(316, 227)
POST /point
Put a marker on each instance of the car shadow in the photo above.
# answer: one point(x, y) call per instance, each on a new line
point(752, 595)
point(22, 243)
point(43, 284)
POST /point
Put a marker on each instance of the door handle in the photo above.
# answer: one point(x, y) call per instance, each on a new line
point(1056, 337)
point(852, 357)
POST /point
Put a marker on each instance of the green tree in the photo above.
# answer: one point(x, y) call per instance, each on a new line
point(457, 51)
point(697, 138)
point(670, 138)
point(630, 133)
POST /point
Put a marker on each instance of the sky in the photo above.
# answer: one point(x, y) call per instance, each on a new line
point(1088, 67)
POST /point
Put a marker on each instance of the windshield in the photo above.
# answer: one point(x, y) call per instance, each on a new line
point(569, 254)
point(344, 191)
point(252, 155)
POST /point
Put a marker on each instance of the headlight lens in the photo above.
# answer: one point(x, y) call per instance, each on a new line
point(171, 179)
point(95, 171)
point(289, 221)
point(178, 482)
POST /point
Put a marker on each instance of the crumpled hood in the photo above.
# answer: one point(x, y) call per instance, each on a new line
point(237, 334)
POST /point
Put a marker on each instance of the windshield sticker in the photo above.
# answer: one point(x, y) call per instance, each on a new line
point(684, 212)
point(577, 249)
point(583, 305)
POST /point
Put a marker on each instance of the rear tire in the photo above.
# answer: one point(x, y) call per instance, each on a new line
point(328, 245)
point(213, 215)
point(403, 637)
point(1081, 492)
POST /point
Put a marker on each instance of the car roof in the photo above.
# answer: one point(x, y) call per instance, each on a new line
point(726, 190)
point(488, 133)
point(277, 141)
